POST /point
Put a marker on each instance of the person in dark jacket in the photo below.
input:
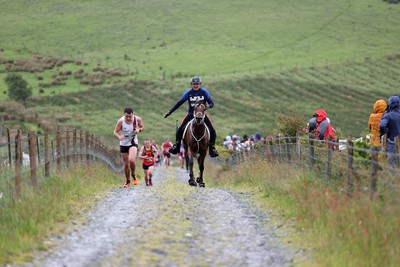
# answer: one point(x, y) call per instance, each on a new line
point(195, 94)
point(390, 125)
point(312, 125)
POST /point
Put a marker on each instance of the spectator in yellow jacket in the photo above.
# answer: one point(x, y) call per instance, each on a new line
point(373, 122)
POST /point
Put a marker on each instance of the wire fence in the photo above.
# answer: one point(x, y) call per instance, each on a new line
point(25, 156)
point(353, 167)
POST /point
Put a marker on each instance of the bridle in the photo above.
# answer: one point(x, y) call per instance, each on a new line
point(201, 117)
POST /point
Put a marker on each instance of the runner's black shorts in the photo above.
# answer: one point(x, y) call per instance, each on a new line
point(125, 149)
point(146, 167)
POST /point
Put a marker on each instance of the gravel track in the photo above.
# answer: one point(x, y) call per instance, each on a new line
point(170, 224)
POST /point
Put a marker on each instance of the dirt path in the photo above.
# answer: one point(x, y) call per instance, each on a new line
point(170, 224)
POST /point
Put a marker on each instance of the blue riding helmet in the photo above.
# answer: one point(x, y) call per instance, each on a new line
point(195, 79)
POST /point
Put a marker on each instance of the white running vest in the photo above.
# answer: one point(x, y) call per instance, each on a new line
point(127, 132)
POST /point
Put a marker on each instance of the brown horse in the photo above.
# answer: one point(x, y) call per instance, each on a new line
point(196, 142)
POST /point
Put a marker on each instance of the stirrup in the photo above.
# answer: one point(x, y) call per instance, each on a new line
point(213, 152)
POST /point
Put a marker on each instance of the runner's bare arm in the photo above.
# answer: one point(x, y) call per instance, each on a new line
point(141, 153)
point(118, 129)
point(140, 124)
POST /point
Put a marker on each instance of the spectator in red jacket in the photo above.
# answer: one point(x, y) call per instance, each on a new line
point(324, 129)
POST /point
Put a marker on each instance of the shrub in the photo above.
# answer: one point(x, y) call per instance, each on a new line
point(291, 122)
point(18, 88)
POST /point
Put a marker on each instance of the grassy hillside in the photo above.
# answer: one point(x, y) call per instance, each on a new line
point(256, 58)
point(243, 106)
point(203, 37)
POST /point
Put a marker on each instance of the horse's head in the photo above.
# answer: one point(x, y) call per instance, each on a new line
point(199, 113)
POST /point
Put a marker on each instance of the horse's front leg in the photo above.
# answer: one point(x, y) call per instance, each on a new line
point(191, 181)
point(199, 179)
point(186, 159)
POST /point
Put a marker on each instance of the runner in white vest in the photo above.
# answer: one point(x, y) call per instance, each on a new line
point(127, 128)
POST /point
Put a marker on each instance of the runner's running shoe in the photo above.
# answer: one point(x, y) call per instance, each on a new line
point(135, 181)
point(127, 184)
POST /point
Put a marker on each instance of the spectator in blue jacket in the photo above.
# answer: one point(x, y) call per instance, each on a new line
point(390, 125)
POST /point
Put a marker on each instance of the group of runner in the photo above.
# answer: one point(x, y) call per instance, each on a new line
point(127, 128)
point(130, 125)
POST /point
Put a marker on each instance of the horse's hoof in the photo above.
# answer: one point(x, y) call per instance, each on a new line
point(192, 183)
point(202, 185)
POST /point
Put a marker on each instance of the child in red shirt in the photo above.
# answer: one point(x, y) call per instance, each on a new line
point(148, 153)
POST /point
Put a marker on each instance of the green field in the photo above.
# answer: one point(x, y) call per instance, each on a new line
point(256, 58)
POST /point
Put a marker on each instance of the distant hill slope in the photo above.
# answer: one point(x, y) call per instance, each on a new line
point(243, 106)
point(256, 57)
point(201, 37)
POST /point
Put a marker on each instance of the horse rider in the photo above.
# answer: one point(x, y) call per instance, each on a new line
point(196, 94)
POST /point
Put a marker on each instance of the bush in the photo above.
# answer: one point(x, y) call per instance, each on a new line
point(18, 88)
point(291, 122)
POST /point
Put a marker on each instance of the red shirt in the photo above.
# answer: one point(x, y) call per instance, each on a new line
point(149, 157)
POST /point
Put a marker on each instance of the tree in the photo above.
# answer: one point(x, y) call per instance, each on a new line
point(18, 88)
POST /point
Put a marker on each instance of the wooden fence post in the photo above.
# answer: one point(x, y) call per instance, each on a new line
point(298, 149)
point(81, 145)
point(67, 148)
point(46, 154)
point(38, 149)
point(350, 153)
point(374, 170)
point(383, 141)
point(18, 162)
point(74, 145)
point(9, 147)
point(87, 147)
point(289, 158)
point(263, 148)
point(311, 147)
point(271, 150)
point(329, 160)
point(92, 146)
point(52, 150)
point(32, 157)
point(58, 150)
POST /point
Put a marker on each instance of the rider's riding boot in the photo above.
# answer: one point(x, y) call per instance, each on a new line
point(175, 148)
point(213, 151)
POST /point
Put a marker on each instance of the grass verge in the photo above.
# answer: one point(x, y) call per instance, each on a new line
point(45, 210)
point(341, 230)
